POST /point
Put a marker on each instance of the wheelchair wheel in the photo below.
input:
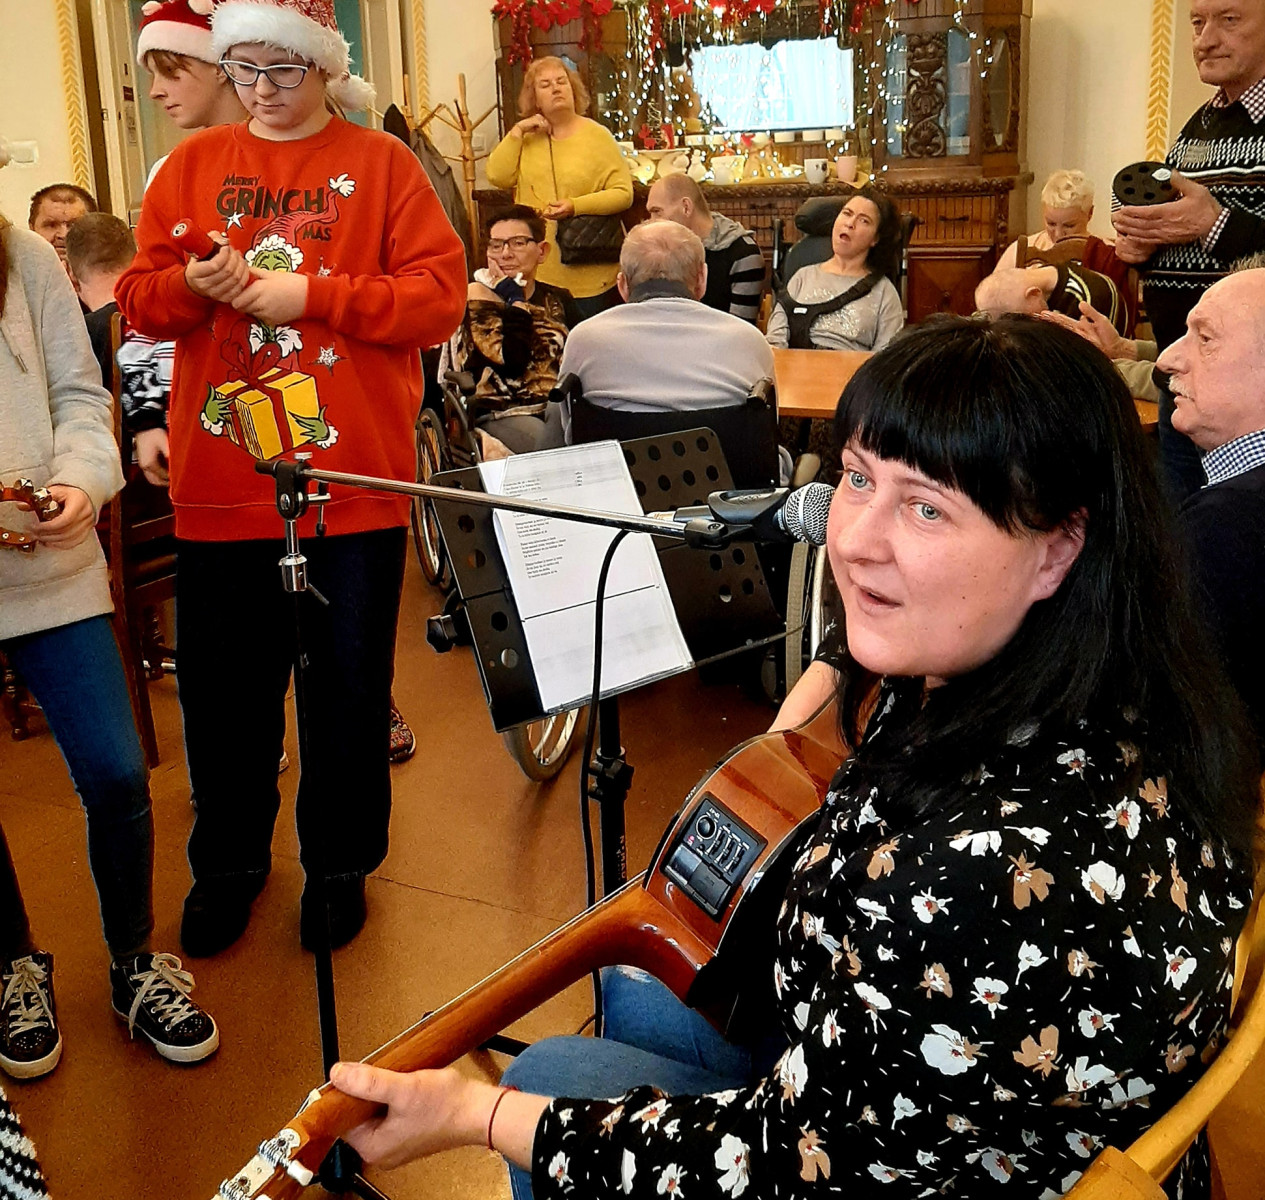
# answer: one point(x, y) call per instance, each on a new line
point(806, 615)
point(541, 747)
point(428, 541)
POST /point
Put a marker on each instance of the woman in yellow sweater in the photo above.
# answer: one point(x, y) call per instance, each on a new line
point(563, 164)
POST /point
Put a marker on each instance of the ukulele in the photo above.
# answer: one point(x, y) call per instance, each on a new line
point(694, 920)
point(39, 499)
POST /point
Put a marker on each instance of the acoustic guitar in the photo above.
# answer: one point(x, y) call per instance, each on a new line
point(696, 919)
point(40, 499)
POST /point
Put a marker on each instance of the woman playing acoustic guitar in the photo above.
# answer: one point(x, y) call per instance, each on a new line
point(1010, 939)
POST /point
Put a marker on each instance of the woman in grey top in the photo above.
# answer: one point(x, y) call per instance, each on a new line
point(56, 430)
point(845, 303)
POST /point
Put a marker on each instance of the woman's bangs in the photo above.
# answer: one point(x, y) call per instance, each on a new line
point(933, 413)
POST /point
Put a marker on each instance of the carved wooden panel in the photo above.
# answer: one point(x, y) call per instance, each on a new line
point(926, 95)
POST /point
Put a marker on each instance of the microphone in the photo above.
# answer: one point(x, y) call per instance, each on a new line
point(765, 514)
point(193, 241)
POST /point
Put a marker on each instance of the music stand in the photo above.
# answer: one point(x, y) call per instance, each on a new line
point(720, 596)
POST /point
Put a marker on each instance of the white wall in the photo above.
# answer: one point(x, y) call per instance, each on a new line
point(460, 37)
point(1088, 71)
point(32, 102)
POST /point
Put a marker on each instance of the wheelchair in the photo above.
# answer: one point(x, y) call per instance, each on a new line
point(747, 434)
point(447, 440)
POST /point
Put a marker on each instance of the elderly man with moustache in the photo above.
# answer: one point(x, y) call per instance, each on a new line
point(1219, 175)
point(1217, 378)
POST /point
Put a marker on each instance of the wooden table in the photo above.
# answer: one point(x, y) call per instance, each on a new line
point(809, 383)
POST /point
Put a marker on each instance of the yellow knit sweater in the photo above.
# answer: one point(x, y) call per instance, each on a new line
point(591, 173)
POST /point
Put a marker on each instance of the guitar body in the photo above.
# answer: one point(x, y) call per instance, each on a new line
point(685, 921)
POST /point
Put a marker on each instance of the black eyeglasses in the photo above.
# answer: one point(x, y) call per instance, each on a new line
point(496, 245)
point(280, 75)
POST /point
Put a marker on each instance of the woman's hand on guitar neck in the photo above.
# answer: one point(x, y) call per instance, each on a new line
point(429, 1111)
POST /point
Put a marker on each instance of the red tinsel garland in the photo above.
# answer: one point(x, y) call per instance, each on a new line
point(546, 14)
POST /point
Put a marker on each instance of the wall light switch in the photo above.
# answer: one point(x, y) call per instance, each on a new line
point(25, 154)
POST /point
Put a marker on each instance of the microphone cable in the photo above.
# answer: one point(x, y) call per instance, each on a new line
point(590, 734)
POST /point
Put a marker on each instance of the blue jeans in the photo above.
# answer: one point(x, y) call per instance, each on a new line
point(650, 1038)
point(75, 672)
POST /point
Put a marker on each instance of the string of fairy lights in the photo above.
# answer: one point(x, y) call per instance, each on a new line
point(646, 86)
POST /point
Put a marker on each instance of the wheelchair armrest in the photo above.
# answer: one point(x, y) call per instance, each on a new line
point(567, 388)
point(764, 391)
point(463, 381)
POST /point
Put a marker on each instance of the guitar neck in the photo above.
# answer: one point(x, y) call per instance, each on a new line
point(627, 927)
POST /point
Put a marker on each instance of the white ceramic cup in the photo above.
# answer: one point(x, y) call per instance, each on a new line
point(846, 167)
point(815, 170)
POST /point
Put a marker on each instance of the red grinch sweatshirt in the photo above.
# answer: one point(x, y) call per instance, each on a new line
point(352, 210)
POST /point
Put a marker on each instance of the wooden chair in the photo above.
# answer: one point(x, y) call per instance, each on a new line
point(1138, 1172)
point(137, 529)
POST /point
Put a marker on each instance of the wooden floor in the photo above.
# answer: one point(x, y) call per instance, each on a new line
point(482, 863)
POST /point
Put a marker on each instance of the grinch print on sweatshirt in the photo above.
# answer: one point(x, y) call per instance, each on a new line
point(352, 210)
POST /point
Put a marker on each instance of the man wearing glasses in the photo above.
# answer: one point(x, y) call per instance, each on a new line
point(511, 338)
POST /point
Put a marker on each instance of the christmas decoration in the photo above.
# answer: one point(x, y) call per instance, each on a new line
point(651, 102)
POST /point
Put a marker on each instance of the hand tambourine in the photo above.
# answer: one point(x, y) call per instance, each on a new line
point(1144, 183)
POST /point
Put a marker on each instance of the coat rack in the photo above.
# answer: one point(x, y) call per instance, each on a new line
point(457, 118)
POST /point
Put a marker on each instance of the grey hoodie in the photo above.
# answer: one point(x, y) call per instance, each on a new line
point(724, 232)
point(55, 427)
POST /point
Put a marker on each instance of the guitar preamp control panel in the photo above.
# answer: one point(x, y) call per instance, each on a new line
point(712, 855)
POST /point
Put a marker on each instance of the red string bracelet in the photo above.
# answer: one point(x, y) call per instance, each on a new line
point(492, 1117)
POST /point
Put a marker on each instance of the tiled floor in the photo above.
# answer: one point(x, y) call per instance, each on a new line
point(482, 864)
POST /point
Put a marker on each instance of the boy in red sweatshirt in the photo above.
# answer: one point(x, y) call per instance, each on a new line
point(301, 333)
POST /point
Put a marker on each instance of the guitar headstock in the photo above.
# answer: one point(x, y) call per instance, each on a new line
point(275, 1172)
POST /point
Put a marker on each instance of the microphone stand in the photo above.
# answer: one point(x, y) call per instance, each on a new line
point(340, 1172)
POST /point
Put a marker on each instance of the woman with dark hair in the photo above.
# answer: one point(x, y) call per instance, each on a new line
point(1009, 940)
point(848, 302)
point(563, 164)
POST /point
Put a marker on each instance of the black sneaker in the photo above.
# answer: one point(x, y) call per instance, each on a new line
point(348, 908)
point(151, 993)
point(30, 1042)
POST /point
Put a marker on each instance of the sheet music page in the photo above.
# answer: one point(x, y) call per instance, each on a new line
point(553, 567)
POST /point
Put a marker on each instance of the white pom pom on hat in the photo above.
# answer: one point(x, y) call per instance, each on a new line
point(177, 26)
point(304, 27)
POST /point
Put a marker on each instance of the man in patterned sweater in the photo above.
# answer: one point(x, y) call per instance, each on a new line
point(1219, 173)
point(735, 263)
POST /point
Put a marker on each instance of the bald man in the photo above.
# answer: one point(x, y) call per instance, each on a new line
point(735, 263)
point(1217, 377)
point(663, 348)
point(1059, 289)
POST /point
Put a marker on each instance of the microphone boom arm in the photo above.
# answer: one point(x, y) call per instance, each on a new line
point(701, 533)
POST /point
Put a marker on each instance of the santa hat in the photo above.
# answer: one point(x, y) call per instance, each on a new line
point(304, 27)
point(178, 26)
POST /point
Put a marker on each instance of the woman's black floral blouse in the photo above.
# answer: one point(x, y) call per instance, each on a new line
point(976, 1000)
